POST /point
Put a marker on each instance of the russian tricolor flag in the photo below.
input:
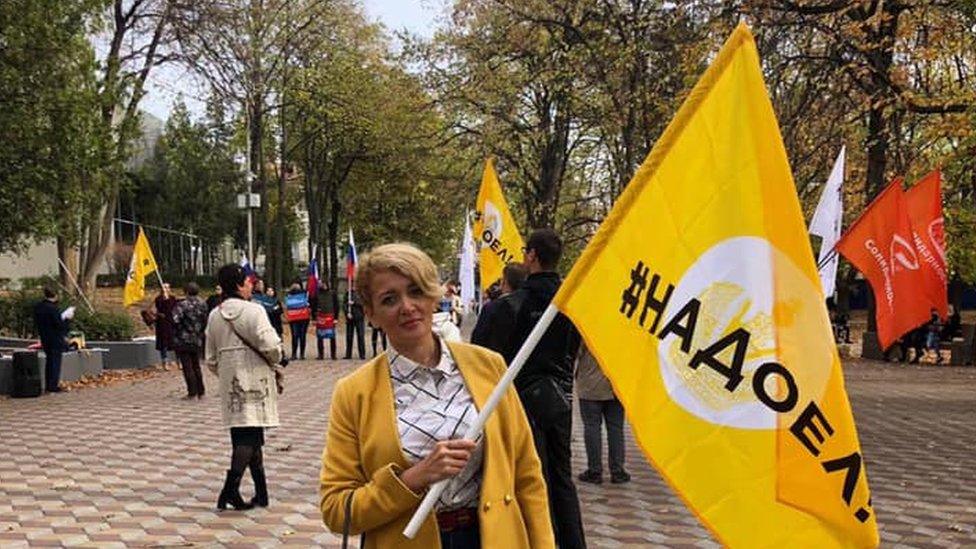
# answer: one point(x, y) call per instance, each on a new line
point(351, 260)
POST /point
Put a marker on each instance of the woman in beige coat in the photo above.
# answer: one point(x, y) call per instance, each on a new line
point(244, 351)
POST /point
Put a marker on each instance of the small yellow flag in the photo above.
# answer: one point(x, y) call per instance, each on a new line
point(700, 299)
point(143, 263)
point(494, 229)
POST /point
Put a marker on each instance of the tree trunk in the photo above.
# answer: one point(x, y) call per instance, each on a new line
point(880, 56)
point(256, 114)
point(335, 209)
point(280, 217)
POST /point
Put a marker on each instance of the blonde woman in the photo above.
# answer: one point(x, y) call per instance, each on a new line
point(395, 423)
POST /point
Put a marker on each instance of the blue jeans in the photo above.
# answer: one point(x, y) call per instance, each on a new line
point(462, 538)
point(932, 341)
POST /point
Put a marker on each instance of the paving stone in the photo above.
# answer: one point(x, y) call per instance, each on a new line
point(133, 465)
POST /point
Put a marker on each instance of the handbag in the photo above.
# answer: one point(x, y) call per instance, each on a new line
point(279, 375)
point(544, 400)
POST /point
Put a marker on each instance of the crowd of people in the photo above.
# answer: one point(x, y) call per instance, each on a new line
point(395, 422)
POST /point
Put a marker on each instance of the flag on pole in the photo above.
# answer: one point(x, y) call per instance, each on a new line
point(826, 223)
point(142, 264)
point(495, 229)
point(312, 286)
point(248, 269)
point(466, 271)
point(924, 204)
point(352, 260)
point(882, 246)
point(699, 298)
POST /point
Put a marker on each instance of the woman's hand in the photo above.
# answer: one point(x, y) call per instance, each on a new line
point(445, 461)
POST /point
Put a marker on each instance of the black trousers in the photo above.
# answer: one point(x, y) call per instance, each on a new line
point(374, 332)
point(552, 442)
point(299, 332)
point(358, 326)
point(52, 368)
point(321, 346)
point(190, 362)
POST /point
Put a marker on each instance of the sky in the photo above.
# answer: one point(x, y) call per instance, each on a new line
point(167, 83)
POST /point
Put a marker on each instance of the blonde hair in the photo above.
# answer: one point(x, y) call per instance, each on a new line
point(402, 258)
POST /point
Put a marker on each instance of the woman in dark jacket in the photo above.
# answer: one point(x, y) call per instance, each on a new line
point(164, 305)
point(274, 310)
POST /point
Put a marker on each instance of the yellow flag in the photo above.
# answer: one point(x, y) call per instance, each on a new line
point(495, 230)
point(700, 299)
point(143, 263)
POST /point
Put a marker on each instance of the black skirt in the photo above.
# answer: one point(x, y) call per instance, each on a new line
point(247, 436)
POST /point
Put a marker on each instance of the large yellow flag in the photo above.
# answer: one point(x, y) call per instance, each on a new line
point(143, 263)
point(494, 229)
point(700, 299)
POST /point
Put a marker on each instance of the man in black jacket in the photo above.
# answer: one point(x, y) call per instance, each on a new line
point(485, 332)
point(355, 322)
point(546, 381)
point(52, 330)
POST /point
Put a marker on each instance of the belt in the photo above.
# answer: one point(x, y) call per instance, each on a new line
point(457, 519)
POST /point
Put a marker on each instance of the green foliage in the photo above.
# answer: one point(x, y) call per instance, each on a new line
point(17, 312)
point(191, 182)
point(103, 326)
point(51, 142)
point(368, 144)
point(17, 318)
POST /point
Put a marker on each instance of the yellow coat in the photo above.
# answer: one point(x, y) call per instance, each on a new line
point(363, 456)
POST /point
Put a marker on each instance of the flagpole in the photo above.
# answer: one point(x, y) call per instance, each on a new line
point(77, 287)
point(434, 492)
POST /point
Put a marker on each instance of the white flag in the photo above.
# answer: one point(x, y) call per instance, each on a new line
point(826, 224)
point(466, 274)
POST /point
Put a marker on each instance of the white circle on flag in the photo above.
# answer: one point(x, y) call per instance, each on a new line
point(734, 283)
point(493, 219)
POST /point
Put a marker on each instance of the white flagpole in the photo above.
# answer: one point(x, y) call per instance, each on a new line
point(434, 492)
point(77, 287)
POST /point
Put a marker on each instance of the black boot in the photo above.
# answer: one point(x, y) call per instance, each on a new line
point(260, 498)
point(231, 493)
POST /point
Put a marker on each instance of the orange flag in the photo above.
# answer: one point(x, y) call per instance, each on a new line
point(924, 204)
point(881, 245)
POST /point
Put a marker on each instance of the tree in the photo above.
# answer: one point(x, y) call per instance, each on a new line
point(50, 137)
point(242, 47)
point(366, 141)
point(191, 181)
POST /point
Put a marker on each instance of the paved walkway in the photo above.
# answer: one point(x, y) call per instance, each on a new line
point(132, 465)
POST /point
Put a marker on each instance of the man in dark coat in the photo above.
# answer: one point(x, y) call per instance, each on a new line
point(485, 332)
point(546, 381)
point(52, 330)
point(355, 322)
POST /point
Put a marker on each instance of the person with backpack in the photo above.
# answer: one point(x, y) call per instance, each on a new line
point(297, 312)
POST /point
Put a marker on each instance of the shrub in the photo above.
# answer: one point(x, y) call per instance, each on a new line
point(103, 326)
point(17, 313)
point(17, 318)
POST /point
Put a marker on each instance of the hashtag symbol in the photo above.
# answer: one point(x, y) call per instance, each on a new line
point(631, 296)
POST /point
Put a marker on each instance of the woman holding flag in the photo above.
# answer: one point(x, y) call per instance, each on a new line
point(374, 476)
